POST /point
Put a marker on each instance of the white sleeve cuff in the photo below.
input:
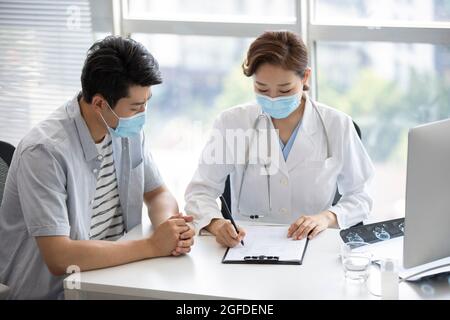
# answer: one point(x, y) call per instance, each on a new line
point(340, 216)
point(201, 223)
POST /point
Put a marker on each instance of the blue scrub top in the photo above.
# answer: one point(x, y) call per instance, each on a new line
point(287, 148)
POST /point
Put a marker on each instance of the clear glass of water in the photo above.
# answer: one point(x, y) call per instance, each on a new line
point(356, 260)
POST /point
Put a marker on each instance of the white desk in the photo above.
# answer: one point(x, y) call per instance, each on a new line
point(201, 275)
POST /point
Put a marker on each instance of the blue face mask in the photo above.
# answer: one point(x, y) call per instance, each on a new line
point(128, 127)
point(280, 107)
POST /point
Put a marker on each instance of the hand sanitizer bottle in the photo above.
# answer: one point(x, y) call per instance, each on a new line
point(389, 280)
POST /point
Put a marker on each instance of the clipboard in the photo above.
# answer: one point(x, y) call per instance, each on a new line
point(267, 245)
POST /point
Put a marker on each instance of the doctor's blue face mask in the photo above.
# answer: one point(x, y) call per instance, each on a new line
point(279, 107)
point(128, 127)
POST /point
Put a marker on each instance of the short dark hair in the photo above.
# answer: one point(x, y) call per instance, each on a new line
point(113, 65)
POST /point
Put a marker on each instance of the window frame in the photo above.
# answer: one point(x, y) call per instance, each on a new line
point(437, 33)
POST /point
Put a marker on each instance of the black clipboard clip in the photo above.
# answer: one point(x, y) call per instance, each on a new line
point(261, 259)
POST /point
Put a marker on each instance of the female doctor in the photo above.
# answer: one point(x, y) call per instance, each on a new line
point(316, 151)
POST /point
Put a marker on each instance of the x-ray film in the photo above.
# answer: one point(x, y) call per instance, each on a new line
point(374, 232)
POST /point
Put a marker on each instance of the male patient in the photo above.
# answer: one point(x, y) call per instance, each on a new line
point(78, 181)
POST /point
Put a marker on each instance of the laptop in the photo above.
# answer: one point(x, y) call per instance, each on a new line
point(427, 215)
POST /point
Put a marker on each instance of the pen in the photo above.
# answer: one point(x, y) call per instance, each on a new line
point(228, 216)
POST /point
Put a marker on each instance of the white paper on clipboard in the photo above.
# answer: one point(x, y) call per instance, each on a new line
point(268, 240)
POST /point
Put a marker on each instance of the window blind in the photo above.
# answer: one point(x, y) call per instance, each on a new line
point(43, 45)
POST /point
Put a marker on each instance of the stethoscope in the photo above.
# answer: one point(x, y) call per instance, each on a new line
point(267, 164)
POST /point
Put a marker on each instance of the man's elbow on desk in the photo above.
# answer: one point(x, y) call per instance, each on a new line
point(56, 252)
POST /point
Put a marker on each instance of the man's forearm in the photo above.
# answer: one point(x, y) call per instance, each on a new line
point(62, 252)
point(161, 207)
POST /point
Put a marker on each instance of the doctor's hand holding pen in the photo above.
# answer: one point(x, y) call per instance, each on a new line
point(311, 226)
point(225, 232)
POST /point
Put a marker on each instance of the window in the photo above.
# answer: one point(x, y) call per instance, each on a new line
point(385, 63)
point(206, 10)
point(378, 11)
point(387, 88)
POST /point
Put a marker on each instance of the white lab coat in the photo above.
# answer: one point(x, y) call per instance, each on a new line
point(305, 184)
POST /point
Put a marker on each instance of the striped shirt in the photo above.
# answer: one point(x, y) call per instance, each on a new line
point(107, 220)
